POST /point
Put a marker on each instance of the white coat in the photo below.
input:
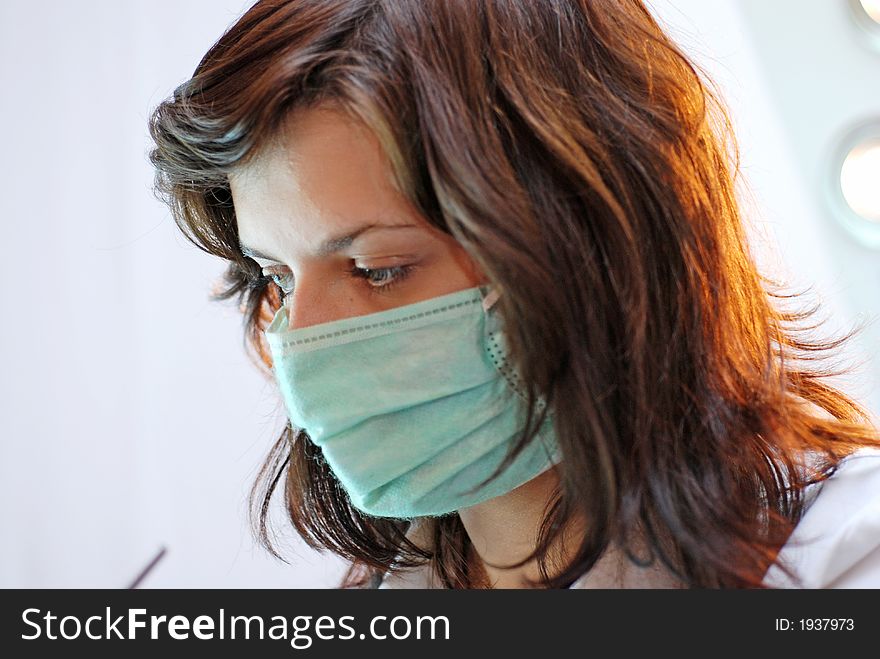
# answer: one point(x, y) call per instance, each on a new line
point(836, 544)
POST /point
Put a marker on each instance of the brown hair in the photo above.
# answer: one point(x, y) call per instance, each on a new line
point(587, 167)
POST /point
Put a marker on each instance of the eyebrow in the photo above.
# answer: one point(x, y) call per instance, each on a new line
point(331, 245)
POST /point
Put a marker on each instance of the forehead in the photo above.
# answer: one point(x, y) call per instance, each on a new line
point(321, 169)
point(318, 151)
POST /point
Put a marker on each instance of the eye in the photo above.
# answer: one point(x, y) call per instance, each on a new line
point(381, 279)
point(282, 277)
point(375, 279)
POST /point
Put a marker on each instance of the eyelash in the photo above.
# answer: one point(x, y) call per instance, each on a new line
point(401, 272)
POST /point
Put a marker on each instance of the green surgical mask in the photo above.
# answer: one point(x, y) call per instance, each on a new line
point(412, 407)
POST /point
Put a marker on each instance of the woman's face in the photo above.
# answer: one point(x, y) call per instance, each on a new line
point(317, 211)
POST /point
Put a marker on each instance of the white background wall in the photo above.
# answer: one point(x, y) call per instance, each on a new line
point(130, 416)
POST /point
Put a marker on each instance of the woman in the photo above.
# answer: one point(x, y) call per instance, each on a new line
point(491, 252)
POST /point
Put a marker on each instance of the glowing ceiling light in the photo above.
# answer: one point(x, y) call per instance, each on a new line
point(860, 178)
point(855, 182)
point(872, 9)
point(867, 14)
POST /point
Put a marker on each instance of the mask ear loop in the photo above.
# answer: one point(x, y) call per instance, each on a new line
point(490, 299)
